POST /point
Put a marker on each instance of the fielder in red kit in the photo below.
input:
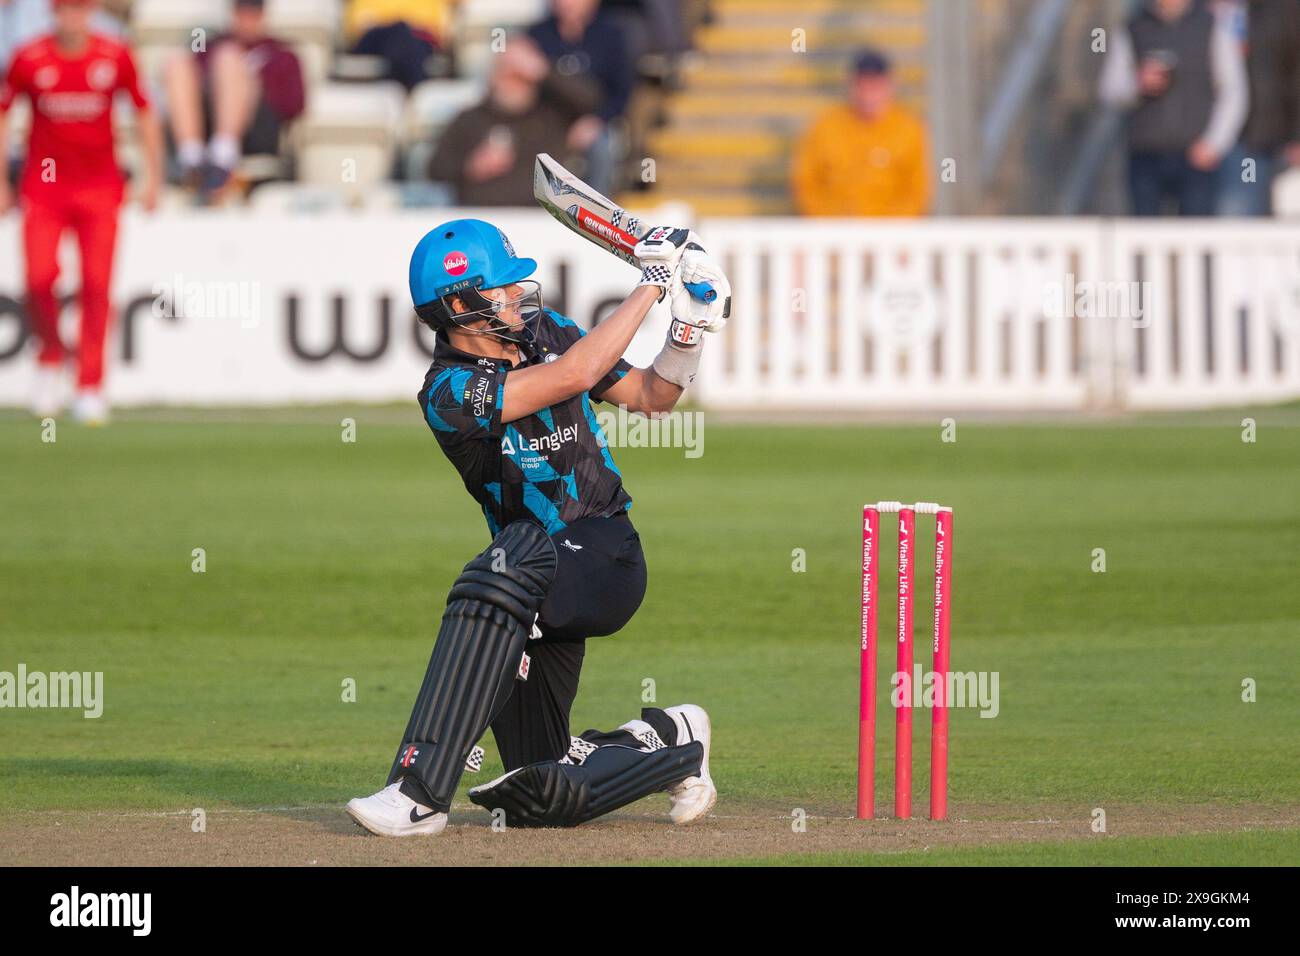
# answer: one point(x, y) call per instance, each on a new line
point(71, 181)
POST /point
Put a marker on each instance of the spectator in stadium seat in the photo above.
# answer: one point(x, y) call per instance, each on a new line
point(238, 94)
point(1269, 34)
point(866, 157)
point(404, 33)
point(1176, 67)
point(486, 153)
point(581, 41)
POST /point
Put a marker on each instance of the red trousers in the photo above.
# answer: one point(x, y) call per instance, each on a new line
point(92, 215)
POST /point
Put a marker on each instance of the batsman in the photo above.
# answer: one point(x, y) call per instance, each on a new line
point(509, 399)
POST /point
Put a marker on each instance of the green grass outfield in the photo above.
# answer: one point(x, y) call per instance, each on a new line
point(328, 561)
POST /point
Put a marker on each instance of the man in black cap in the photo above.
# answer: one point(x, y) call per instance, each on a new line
point(866, 157)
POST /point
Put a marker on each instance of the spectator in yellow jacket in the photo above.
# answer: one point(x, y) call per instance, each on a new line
point(866, 157)
point(404, 33)
point(432, 17)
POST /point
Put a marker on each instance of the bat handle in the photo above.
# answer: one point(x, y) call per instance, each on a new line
point(702, 291)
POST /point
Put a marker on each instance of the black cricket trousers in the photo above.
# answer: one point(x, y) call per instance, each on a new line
point(600, 579)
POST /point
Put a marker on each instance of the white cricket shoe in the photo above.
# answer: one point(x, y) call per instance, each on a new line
point(392, 813)
point(47, 391)
point(90, 408)
point(695, 796)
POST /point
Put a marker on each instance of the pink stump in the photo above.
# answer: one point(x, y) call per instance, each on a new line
point(903, 725)
point(867, 668)
point(943, 561)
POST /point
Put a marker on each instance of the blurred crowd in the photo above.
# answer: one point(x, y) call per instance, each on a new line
point(459, 95)
point(1208, 92)
point(446, 101)
point(1211, 92)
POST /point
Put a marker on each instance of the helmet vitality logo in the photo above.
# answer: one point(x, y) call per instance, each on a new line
point(455, 263)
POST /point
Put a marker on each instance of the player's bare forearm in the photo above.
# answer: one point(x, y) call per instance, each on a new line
point(658, 395)
point(600, 350)
point(583, 365)
point(642, 390)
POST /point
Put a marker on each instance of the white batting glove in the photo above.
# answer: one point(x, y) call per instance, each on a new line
point(693, 316)
point(660, 250)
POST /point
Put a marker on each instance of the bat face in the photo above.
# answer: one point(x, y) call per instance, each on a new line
point(583, 210)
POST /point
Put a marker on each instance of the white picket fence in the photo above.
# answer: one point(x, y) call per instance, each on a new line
point(828, 314)
point(1005, 314)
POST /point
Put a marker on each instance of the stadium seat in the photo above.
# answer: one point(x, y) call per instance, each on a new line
point(149, 60)
point(473, 57)
point(161, 27)
point(304, 21)
point(262, 167)
point(349, 128)
point(311, 28)
point(472, 36)
point(356, 68)
point(1286, 194)
point(316, 61)
point(484, 14)
point(168, 22)
point(431, 106)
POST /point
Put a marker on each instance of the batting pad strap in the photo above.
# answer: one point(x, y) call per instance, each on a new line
point(645, 735)
point(471, 672)
point(678, 364)
point(553, 794)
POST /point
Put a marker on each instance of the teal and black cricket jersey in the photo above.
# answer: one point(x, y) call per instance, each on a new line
point(554, 466)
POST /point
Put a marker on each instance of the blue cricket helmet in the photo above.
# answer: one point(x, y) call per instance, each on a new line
point(458, 256)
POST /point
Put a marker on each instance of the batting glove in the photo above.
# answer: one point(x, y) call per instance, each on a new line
point(693, 314)
point(660, 250)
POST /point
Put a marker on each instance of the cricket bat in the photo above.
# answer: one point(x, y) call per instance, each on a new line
point(596, 218)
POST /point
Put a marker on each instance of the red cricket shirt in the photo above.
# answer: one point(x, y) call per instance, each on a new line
point(72, 112)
